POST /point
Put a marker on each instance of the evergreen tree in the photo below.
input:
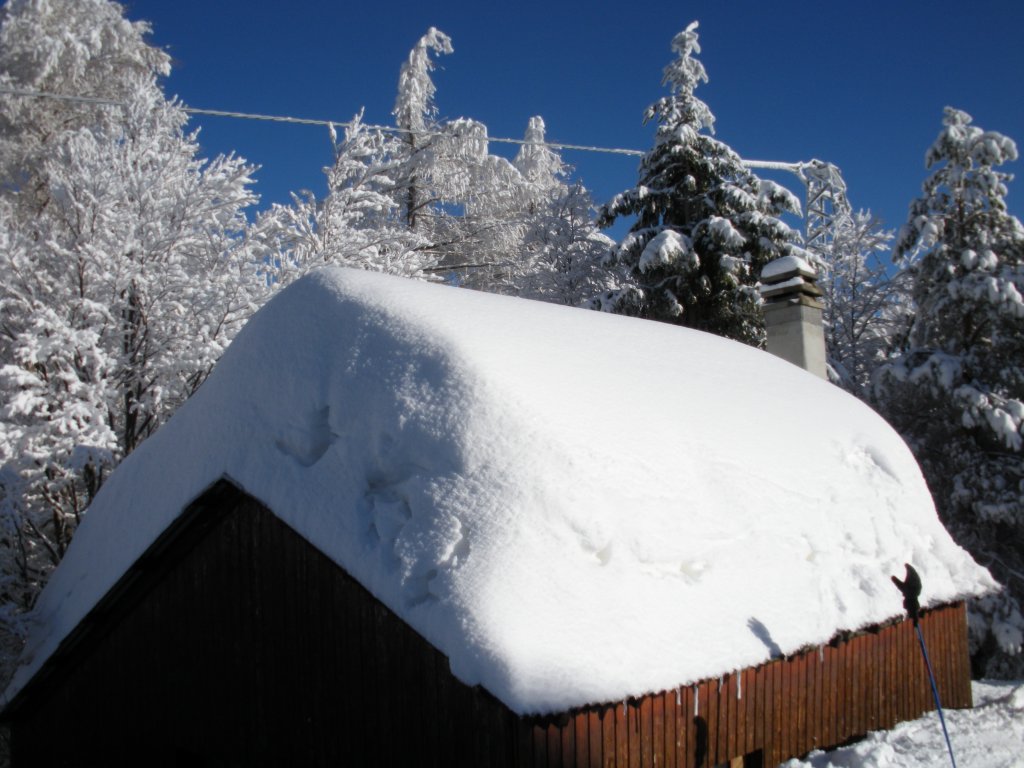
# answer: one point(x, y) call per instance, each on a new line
point(705, 225)
point(446, 183)
point(955, 390)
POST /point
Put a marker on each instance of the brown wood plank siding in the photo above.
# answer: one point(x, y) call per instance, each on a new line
point(595, 733)
point(727, 695)
point(253, 648)
point(654, 742)
point(786, 707)
point(668, 748)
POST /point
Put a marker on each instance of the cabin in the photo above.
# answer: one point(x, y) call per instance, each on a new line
point(407, 524)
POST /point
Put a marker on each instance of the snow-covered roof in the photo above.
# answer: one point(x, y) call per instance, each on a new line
point(573, 507)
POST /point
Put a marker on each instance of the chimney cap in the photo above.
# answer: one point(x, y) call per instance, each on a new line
point(786, 268)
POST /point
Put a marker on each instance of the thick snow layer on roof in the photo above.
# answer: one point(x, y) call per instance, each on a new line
point(574, 507)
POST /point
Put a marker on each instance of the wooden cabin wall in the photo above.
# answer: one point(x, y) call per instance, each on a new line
point(252, 648)
point(238, 643)
point(786, 708)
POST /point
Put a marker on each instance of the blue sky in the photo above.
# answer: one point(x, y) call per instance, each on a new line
point(860, 85)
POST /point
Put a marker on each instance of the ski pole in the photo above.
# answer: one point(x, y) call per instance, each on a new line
point(911, 589)
point(935, 691)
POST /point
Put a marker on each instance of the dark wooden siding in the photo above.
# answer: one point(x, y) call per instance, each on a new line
point(252, 648)
point(235, 642)
point(816, 699)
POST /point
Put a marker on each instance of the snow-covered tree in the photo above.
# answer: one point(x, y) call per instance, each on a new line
point(444, 178)
point(561, 249)
point(359, 223)
point(955, 390)
point(507, 227)
point(39, 52)
point(863, 307)
point(125, 275)
point(705, 225)
point(434, 201)
point(540, 165)
point(478, 224)
point(519, 228)
point(415, 114)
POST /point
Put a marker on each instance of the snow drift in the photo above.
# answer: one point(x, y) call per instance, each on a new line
point(573, 507)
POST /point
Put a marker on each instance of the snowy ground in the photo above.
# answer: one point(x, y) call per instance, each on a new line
point(989, 736)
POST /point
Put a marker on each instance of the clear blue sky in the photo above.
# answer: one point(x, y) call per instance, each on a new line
point(861, 85)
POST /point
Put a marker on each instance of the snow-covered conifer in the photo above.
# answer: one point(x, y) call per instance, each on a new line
point(705, 225)
point(524, 229)
point(434, 200)
point(540, 165)
point(442, 171)
point(955, 389)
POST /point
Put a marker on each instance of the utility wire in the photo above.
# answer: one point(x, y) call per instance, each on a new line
point(796, 168)
point(306, 121)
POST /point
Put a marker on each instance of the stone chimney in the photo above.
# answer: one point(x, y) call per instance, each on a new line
point(792, 314)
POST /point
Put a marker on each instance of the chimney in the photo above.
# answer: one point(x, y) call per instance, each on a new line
point(792, 314)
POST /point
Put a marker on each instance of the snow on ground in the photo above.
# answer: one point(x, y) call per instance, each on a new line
point(574, 507)
point(989, 736)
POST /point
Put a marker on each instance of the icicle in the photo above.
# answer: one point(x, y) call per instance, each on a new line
point(821, 654)
point(720, 681)
point(679, 696)
point(624, 712)
point(696, 702)
point(739, 686)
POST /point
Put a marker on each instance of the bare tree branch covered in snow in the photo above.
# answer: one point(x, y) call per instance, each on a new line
point(125, 272)
point(434, 202)
point(359, 223)
point(863, 308)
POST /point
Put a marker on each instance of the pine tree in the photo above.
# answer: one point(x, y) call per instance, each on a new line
point(955, 390)
point(705, 225)
point(125, 273)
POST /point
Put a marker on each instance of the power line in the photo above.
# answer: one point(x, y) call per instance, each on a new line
point(823, 181)
point(307, 121)
point(766, 164)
